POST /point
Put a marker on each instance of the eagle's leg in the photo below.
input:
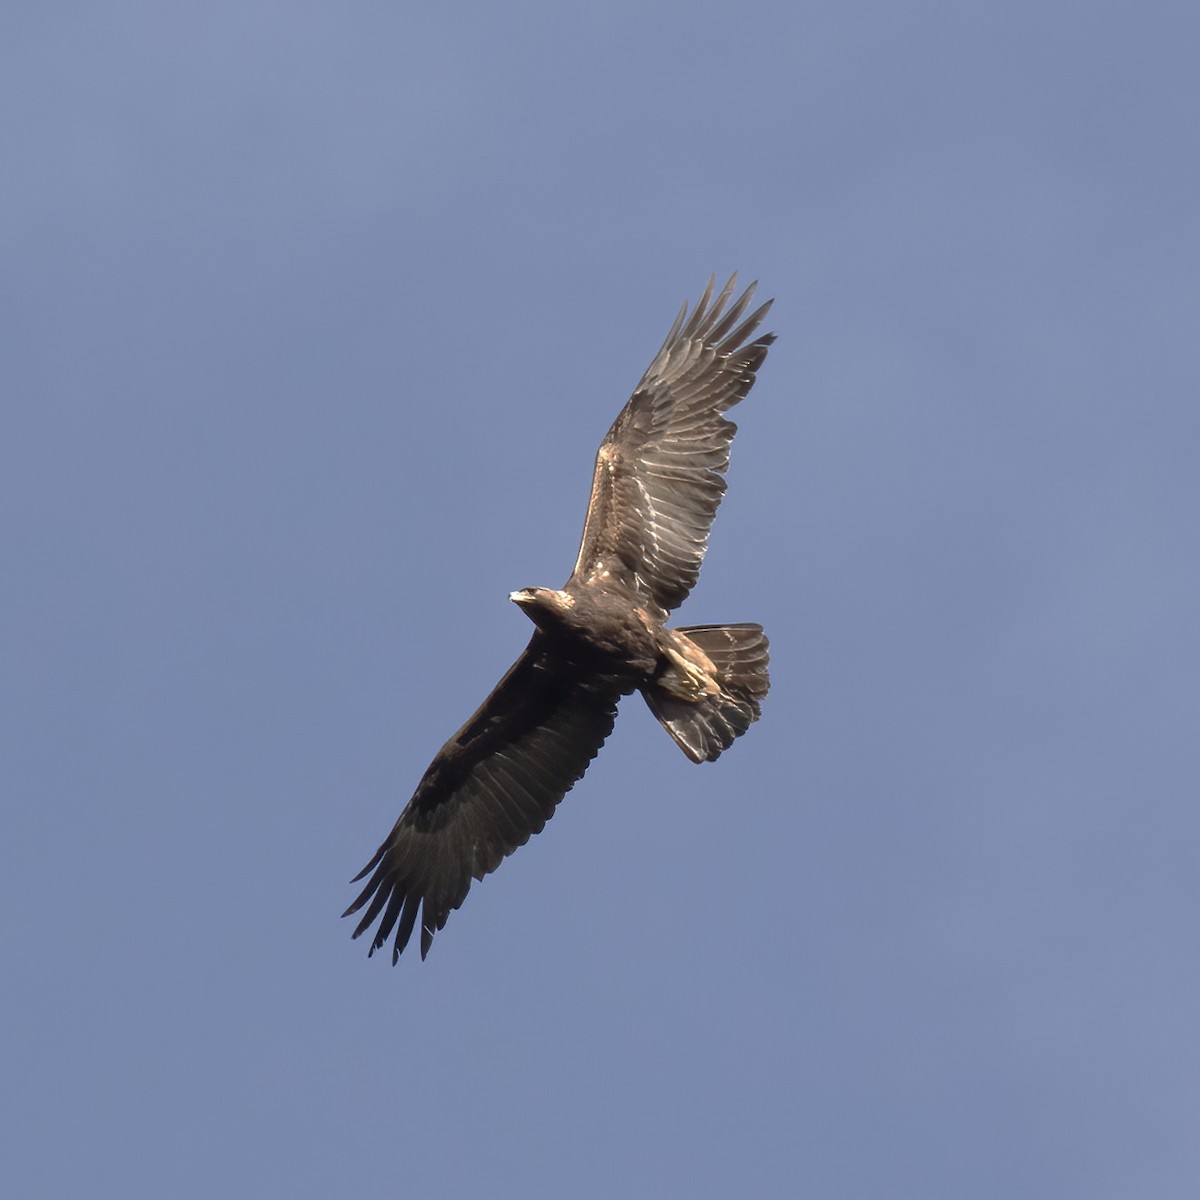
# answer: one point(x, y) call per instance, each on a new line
point(689, 672)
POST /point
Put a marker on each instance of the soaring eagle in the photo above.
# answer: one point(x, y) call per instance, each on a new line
point(660, 475)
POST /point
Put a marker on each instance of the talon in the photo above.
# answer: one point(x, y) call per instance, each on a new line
point(686, 678)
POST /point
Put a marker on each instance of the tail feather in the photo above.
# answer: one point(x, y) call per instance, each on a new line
point(706, 727)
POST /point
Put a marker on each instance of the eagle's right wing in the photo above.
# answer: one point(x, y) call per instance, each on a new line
point(660, 471)
point(492, 786)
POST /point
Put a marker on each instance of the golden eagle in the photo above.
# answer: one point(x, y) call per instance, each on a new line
point(660, 475)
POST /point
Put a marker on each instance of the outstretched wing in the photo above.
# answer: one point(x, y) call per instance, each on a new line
point(493, 785)
point(660, 471)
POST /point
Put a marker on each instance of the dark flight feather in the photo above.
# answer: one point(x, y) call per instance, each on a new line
point(494, 784)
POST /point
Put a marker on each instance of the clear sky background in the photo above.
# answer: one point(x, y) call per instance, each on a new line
point(313, 317)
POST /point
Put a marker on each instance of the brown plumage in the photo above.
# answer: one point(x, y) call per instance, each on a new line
point(659, 477)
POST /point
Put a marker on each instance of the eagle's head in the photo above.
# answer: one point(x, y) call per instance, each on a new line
point(543, 606)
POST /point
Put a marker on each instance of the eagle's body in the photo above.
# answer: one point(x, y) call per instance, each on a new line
point(604, 630)
point(658, 481)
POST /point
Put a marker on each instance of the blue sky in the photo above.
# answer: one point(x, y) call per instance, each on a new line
point(314, 317)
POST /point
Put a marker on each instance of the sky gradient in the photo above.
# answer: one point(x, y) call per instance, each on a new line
point(314, 316)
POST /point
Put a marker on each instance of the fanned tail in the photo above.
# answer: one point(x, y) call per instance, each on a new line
point(705, 727)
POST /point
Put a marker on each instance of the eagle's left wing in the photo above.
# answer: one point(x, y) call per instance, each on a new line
point(660, 471)
point(492, 786)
